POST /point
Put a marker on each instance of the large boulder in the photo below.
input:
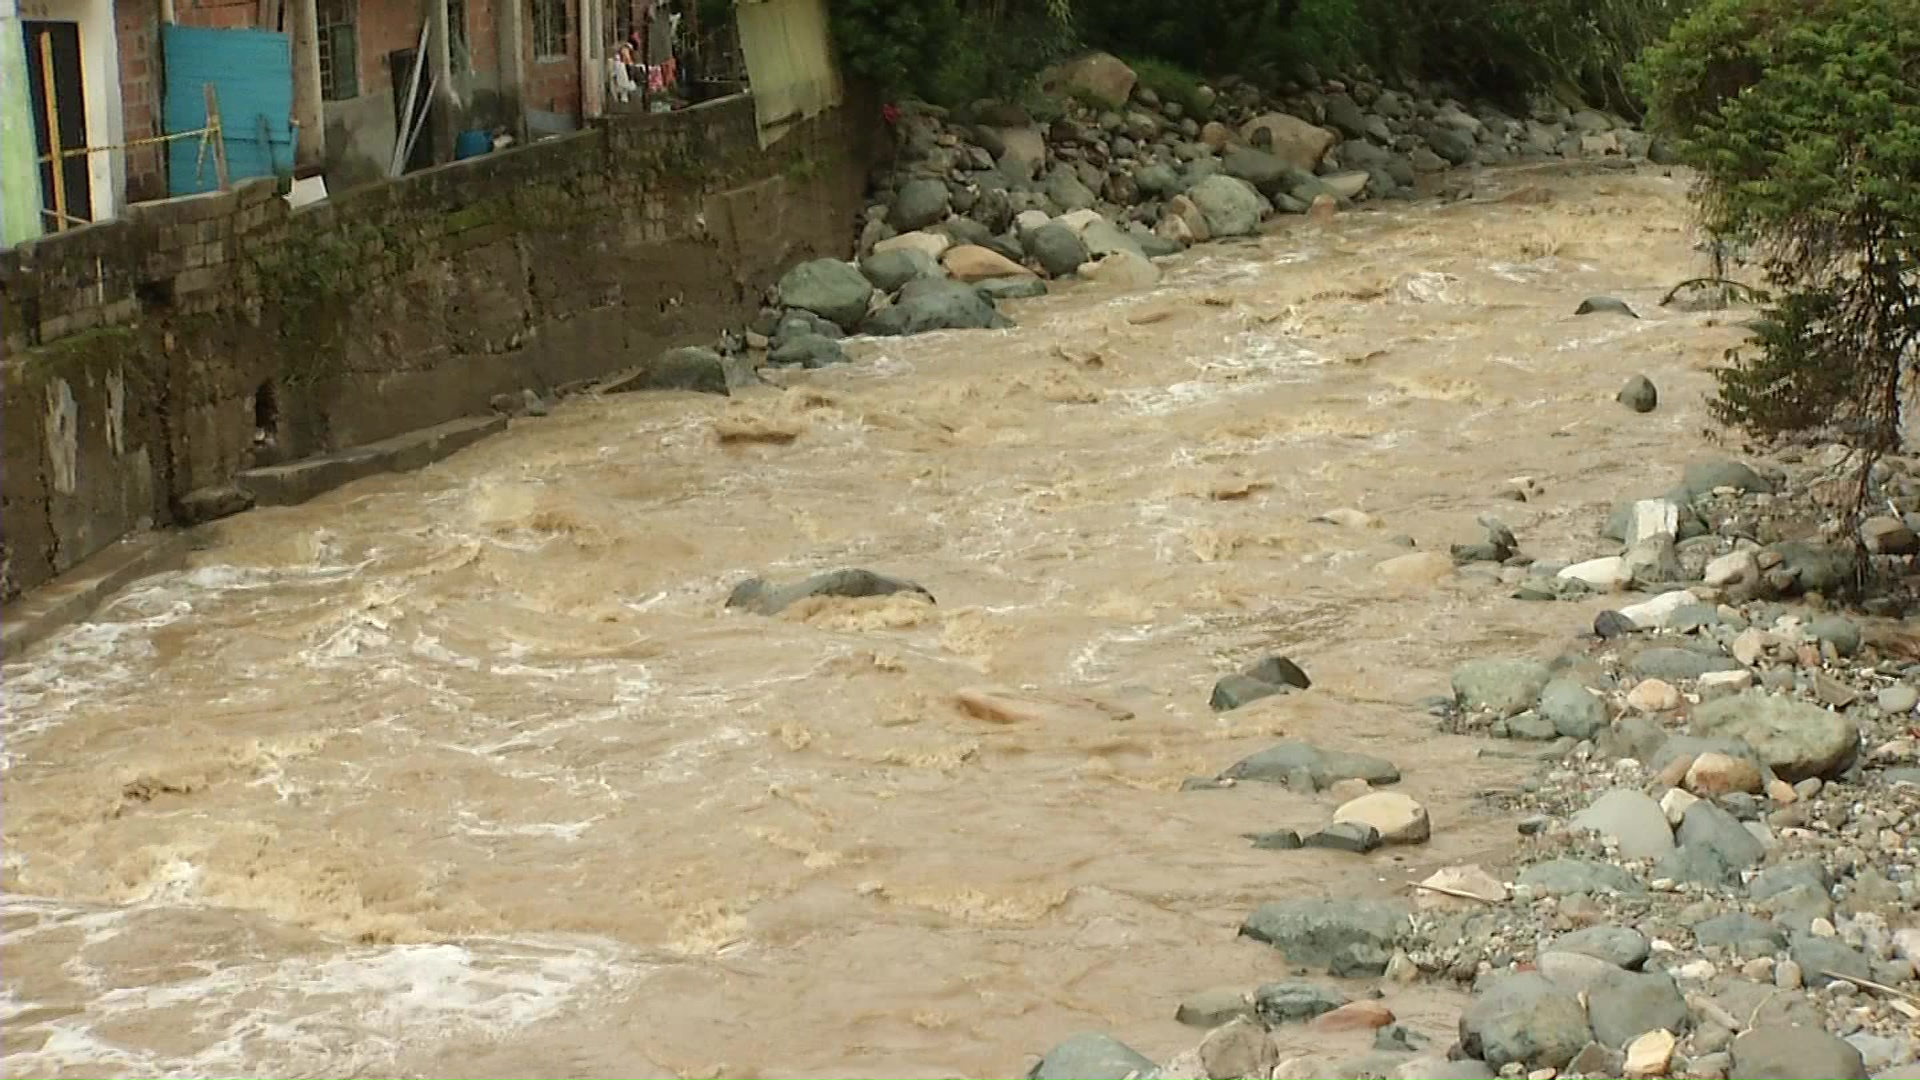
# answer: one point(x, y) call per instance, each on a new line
point(1776, 1052)
point(1091, 1057)
point(935, 304)
point(1023, 151)
point(1452, 144)
point(1068, 193)
point(1104, 238)
point(1572, 709)
point(1344, 114)
point(1632, 819)
point(1796, 739)
point(889, 270)
point(1527, 1020)
point(1058, 249)
point(697, 369)
point(1346, 937)
point(1231, 206)
point(1257, 167)
point(1099, 79)
point(1156, 180)
point(919, 203)
point(1502, 686)
point(1564, 877)
point(1298, 144)
point(829, 288)
point(1623, 1005)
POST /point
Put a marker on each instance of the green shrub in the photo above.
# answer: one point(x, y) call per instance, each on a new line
point(1210, 36)
point(1803, 119)
point(946, 51)
point(1172, 83)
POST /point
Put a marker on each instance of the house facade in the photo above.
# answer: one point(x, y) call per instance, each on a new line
point(122, 74)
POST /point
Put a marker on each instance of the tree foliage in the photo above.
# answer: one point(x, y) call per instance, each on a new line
point(1803, 120)
point(952, 50)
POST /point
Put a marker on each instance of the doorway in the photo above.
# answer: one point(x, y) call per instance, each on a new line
point(400, 68)
point(69, 202)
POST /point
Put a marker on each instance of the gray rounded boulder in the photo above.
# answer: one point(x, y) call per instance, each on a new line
point(1230, 205)
point(829, 288)
point(920, 203)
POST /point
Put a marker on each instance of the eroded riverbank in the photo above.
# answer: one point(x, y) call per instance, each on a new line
point(474, 755)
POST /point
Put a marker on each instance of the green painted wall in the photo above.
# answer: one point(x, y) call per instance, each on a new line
point(19, 176)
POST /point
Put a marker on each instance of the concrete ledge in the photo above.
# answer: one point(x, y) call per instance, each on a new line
point(76, 594)
point(298, 481)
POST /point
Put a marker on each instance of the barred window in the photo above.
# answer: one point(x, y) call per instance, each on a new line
point(339, 49)
point(549, 29)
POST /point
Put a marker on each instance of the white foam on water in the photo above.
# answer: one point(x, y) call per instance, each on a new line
point(311, 1014)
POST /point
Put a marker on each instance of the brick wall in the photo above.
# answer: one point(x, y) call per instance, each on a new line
point(218, 14)
point(137, 27)
point(134, 348)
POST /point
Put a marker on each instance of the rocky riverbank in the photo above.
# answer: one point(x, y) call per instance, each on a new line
point(991, 203)
point(1719, 840)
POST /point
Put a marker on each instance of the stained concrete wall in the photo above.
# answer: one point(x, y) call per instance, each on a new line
point(134, 349)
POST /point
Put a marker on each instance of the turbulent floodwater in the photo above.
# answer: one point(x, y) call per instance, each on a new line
point(466, 772)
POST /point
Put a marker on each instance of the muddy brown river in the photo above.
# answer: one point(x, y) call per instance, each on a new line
point(466, 772)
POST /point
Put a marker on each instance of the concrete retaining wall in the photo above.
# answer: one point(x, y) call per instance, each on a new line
point(140, 353)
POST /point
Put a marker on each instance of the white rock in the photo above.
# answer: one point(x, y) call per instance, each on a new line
point(1238, 1048)
point(1717, 683)
point(1469, 878)
point(1123, 269)
point(1029, 221)
point(934, 244)
point(1416, 568)
point(1674, 804)
point(1607, 573)
point(1654, 614)
point(1173, 228)
point(1347, 517)
point(1347, 185)
point(1898, 698)
point(1650, 1055)
point(1398, 817)
point(1696, 970)
point(1655, 695)
point(1079, 220)
point(1906, 943)
point(1751, 645)
point(1731, 569)
point(1345, 791)
point(1652, 518)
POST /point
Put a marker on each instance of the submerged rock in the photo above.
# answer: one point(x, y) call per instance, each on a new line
point(758, 596)
point(1291, 760)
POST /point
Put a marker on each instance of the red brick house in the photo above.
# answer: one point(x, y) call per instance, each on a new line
point(513, 64)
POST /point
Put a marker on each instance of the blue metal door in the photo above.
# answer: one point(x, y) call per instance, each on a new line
point(251, 72)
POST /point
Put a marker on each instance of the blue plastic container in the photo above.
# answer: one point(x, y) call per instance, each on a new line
point(471, 143)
